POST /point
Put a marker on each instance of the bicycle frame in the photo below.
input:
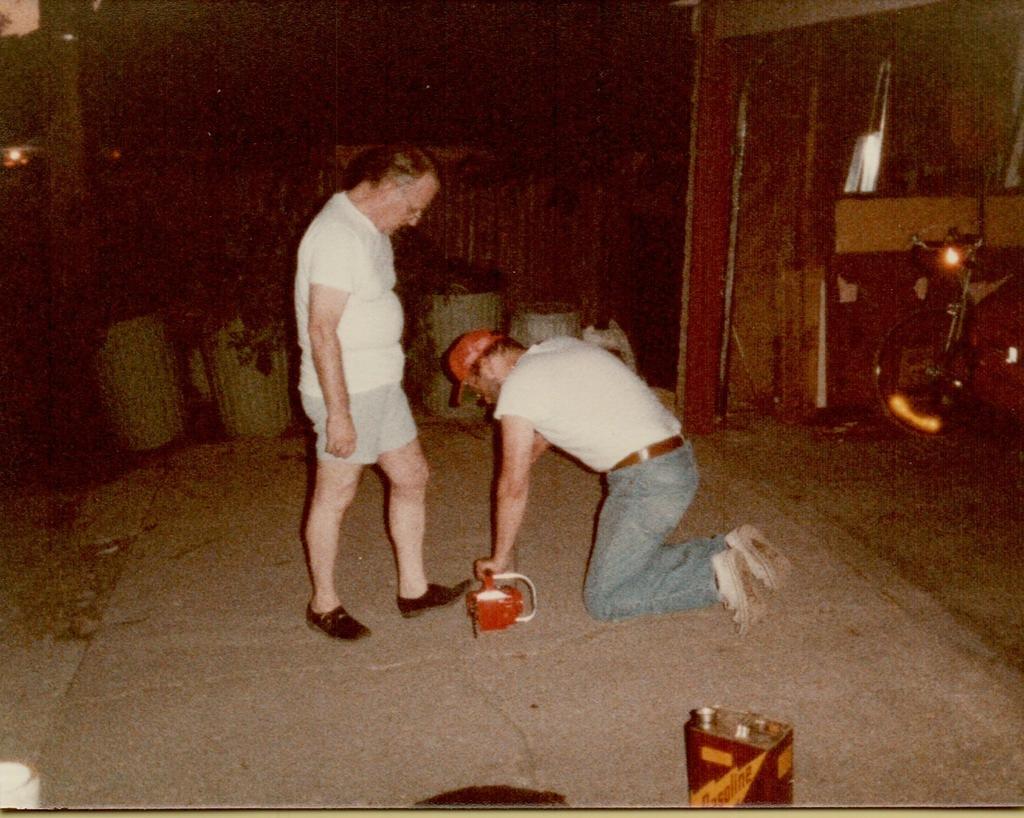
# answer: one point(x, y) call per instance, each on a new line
point(923, 402)
point(958, 254)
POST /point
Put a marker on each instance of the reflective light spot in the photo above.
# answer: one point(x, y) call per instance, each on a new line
point(901, 407)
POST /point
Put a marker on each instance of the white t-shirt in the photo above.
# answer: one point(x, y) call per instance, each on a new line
point(585, 401)
point(343, 249)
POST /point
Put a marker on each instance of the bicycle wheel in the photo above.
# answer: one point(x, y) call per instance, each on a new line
point(920, 384)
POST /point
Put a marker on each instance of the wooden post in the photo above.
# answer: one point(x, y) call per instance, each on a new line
point(721, 67)
point(65, 146)
point(72, 398)
point(801, 286)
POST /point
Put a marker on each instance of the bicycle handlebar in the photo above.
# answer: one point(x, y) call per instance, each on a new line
point(954, 237)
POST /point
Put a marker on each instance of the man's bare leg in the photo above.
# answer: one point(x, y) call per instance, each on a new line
point(407, 472)
point(336, 484)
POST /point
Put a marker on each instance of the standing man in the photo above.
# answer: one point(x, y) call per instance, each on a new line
point(581, 398)
point(349, 329)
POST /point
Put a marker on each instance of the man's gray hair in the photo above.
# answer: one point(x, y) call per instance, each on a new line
point(402, 164)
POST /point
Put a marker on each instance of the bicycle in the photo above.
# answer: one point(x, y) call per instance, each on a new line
point(923, 367)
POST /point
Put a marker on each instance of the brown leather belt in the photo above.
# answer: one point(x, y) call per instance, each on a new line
point(665, 446)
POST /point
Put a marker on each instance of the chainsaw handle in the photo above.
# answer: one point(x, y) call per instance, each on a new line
point(533, 594)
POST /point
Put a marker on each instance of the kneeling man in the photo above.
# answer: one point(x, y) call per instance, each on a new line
point(582, 399)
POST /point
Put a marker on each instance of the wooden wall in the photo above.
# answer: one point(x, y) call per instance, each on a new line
point(809, 95)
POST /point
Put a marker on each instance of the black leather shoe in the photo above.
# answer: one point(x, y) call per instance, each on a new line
point(336, 623)
point(436, 596)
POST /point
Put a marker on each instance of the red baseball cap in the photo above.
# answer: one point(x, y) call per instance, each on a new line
point(463, 353)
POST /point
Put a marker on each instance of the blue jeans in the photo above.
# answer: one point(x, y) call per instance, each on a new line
point(633, 571)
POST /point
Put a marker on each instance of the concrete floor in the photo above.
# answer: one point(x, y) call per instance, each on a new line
point(154, 652)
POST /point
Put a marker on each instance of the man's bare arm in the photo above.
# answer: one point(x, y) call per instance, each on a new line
point(517, 454)
point(326, 306)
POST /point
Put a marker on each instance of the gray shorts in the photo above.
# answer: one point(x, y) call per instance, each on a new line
point(382, 418)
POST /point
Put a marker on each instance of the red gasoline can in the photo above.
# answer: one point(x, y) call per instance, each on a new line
point(734, 758)
point(496, 607)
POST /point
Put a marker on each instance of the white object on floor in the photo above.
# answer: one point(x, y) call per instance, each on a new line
point(19, 786)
